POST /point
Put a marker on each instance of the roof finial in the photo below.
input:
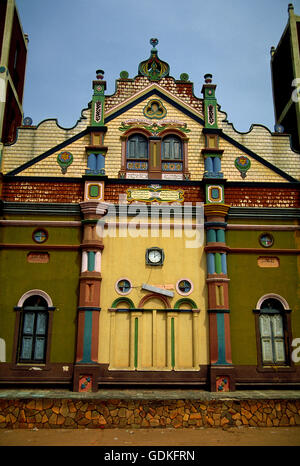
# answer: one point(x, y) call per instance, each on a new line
point(208, 78)
point(154, 68)
point(154, 43)
point(100, 74)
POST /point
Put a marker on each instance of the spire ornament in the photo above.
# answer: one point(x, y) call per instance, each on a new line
point(154, 68)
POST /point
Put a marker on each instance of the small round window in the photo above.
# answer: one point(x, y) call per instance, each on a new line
point(40, 236)
point(123, 286)
point(184, 287)
point(266, 240)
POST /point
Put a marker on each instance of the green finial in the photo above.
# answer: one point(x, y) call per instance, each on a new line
point(124, 74)
point(99, 86)
point(184, 77)
point(154, 68)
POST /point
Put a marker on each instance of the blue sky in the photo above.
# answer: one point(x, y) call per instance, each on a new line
point(70, 39)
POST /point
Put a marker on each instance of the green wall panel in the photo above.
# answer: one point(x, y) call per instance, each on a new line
point(58, 278)
point(248, 283)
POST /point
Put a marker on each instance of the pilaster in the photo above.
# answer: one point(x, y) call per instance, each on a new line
point(86, 367)
point(215, 210)
point(96, 150)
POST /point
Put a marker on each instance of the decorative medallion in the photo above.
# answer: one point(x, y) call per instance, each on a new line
point(222, 384)
point(211, 114)
point(243, 164)
point(85, 383)
point(124, 74)
point(151, 195)
point(184, 77)
point(154, 68)
point(27, 121)
point(98, 111)
point(266, 240)
point(184, 287)
point(214, 194)
point(155, 109)
point(154, 128)
point(123, 286)
point(64, 160)
point(137, 165)
point(40, 236)
point(93, 191)
point(171, 166)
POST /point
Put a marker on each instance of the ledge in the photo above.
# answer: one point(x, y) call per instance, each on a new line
point(148, 394)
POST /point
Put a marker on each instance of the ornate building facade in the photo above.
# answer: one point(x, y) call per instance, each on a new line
point(151, 243)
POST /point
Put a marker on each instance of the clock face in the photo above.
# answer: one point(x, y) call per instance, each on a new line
point(154, 256)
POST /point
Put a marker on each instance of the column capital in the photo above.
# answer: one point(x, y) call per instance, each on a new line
point(94, 209)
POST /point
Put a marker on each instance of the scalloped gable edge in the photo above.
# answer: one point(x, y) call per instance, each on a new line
point(136, 99)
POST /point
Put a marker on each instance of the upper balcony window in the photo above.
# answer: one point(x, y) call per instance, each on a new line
point(160, 156)
point(171, 148)
point(137, 153)
point(137, 147)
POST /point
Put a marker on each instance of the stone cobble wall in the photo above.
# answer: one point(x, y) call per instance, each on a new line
point(67, 413)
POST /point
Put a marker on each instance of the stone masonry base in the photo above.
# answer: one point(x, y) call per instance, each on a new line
point(92, 414)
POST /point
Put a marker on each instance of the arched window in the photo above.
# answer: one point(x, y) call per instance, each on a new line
point(171, 148)
point(137, 147)
point(148, 156)
point(33, 330)
point(33, 327)
point(272, 332)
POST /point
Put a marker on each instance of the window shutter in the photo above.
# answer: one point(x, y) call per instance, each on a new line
point(171, 148)
point(167, 150)
point(26, 347)
point(41, 323)
point(279, 350)
point(28, 323)
point(137, 147)
point(142, 149)
point(266, 338)
point(265, 325)
point(131, 147)
point(278, 338)
point(277, 325)
point(39, 348)
point(177, 146)
point(267, 352)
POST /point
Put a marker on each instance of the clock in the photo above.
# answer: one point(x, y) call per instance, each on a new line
point(154, 256)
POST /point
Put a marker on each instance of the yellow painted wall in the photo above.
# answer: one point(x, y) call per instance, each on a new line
point(125, 258)
point(33, 142)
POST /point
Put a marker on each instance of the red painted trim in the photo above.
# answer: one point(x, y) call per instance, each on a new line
point(80, 336)
point(42, 246)
point(137, 130)
point(267, 251)
point(175, 131)
point(263, 227)
point(217, 247)
point(213, 338)
point(146, 298)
